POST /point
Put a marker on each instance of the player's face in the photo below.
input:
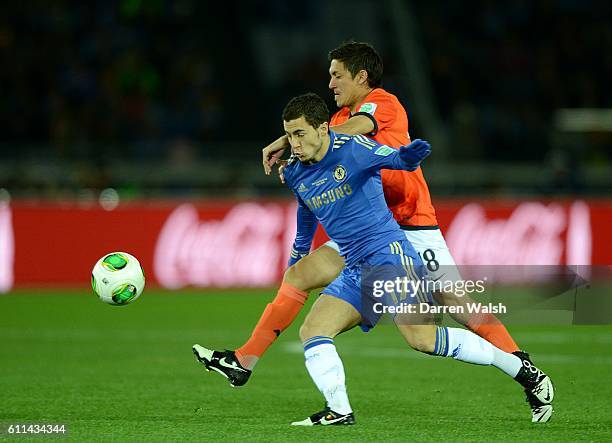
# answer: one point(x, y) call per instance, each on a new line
point(348, 90)
point(306, 142)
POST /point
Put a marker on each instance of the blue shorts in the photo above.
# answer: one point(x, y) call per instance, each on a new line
point(363, 285)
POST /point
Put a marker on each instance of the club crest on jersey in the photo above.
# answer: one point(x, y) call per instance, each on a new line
point(369, 108)
point(339, 173)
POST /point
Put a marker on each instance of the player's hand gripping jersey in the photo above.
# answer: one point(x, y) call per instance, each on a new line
point(343, 191)
point(406, 193)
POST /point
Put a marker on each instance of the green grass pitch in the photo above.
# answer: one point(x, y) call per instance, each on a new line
point(128, 374)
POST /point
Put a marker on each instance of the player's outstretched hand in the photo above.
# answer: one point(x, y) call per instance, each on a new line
point(273, 152)
point(413, 154)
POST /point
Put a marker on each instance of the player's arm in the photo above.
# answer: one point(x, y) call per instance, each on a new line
point(306, 225)
point(306, 228)
point(370, 118)
point(373, 156)
point(358, 124)
point(273, 152)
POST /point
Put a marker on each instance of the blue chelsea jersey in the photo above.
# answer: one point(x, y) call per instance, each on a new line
point(344, 192)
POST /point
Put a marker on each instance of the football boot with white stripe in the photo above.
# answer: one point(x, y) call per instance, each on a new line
point(225, 363)
point(327, 417)
point(538, 389)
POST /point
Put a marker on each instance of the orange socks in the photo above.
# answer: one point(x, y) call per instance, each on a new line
point(492, 330)
point(277, 317)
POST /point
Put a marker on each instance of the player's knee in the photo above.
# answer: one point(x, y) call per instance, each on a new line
point(423, 345)
point(311, 329)
point(304, 332)
point(419, 339)
point(308, 330)
point(298, 277)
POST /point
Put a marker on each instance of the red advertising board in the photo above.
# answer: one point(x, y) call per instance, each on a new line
point(246, 243)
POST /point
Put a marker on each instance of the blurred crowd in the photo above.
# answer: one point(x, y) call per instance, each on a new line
point(501, 69)
point(166, 80)
point(89, 73)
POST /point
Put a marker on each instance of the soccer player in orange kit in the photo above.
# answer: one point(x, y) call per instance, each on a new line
point(366, 110)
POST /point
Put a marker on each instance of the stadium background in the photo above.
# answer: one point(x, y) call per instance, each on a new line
point(138, 125)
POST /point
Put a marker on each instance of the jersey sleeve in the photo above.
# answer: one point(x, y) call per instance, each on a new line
point(381, 110)
point(371, 156)
point(306, 220)
point(306, 227)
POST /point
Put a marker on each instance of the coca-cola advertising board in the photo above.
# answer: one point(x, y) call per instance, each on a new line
point(246, 243)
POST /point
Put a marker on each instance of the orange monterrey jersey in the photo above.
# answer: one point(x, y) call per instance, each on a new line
point(406, 193)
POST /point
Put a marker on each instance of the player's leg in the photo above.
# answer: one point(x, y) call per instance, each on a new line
point(328, 317)
point(463, 345)
point(336, 310)
point(432, 248)
point(459, 344)
point(316, 270)
point(418, 330)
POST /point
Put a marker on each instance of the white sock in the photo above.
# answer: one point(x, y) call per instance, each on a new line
point(507, 362)
point(327, 372)
point(466, 346)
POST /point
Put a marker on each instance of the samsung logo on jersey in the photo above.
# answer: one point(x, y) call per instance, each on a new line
point(329, 196)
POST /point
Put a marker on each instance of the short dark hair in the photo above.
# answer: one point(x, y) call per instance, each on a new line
point(357, 56)
point(312, 107)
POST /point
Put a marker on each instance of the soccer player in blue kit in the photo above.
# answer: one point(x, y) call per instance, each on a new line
point(336, 180)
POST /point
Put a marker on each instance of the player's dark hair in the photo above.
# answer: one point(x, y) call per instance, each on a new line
point(310, 106)
point(357, 56)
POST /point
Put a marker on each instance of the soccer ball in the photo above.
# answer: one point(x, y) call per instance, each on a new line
point(117, 278)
